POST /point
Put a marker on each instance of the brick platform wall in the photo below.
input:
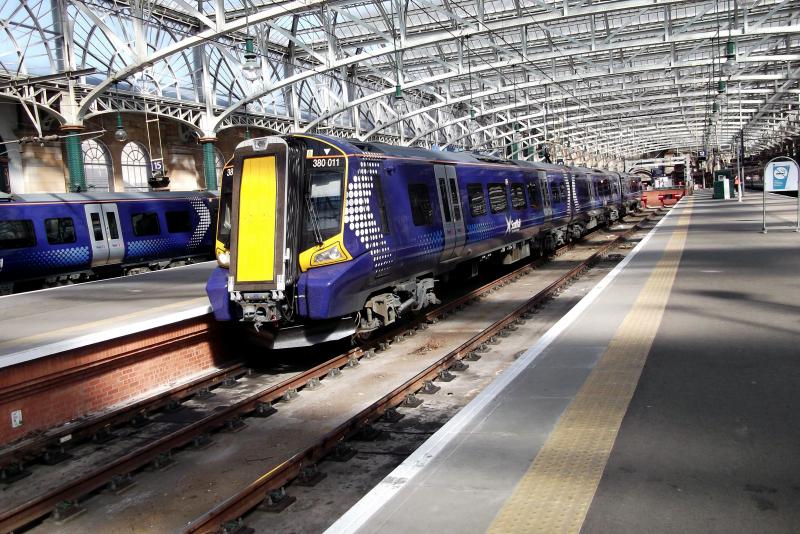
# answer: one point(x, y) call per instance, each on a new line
point(53, 390)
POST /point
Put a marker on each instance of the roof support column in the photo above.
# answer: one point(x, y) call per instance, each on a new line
point(209, 163)
point(72, 143)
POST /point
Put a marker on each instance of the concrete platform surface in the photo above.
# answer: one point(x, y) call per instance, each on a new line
point(665, 401)
point(39, 323)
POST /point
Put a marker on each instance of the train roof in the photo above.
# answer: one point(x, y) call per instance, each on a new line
point(105, 197)
point(437, 155)
point(377, 147)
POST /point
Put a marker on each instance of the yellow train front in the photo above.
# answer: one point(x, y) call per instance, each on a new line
point(280, 216)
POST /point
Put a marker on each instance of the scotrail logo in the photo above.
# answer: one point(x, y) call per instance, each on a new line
point(513, 224)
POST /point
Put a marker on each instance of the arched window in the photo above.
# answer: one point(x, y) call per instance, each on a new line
point(135, 167)
point(96, 165)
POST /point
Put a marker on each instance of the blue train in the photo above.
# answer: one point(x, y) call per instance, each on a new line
point(52, 239)
point(319, 238)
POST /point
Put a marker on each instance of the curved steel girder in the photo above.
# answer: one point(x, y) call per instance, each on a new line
point(794, 29)
point(428, 39)
point(527, 85)
point(634, 43)
point(480, 113)
point(683, 123)
point(149, 112)
point(43, 107)
point(229, 27)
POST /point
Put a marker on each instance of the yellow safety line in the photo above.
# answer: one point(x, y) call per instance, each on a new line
point(555, 493)
point(119, 320)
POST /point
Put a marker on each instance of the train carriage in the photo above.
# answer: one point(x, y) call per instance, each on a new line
point(321, 237)
point(58, 238)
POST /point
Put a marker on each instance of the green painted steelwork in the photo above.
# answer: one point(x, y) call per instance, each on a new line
point(210, 166)
point(77, 175)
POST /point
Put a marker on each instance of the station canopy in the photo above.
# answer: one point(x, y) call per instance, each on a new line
point(594, 81)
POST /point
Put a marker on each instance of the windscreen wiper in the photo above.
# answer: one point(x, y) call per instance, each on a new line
point(312, 214)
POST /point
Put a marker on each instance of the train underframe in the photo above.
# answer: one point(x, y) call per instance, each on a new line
point(271, 315)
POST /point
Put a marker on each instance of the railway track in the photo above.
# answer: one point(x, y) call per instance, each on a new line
point(255, 396)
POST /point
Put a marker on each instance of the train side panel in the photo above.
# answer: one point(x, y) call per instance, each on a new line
point(40, 240)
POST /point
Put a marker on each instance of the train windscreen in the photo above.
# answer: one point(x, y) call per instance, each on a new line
point(323, 206)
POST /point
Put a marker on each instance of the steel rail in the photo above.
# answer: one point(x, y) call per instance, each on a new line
point(29, 449)
point(233, 508)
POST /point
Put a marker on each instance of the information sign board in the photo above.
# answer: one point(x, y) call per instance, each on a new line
point(157, 166)
point(780, 176)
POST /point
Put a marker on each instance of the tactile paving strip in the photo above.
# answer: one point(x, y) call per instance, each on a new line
point(555, 493)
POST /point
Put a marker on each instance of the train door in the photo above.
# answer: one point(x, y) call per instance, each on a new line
point(104, 233)
point(450, 206)
point(547, 205)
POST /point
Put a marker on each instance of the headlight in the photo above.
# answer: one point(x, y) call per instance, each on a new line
point(331, 254)
point(224, 258)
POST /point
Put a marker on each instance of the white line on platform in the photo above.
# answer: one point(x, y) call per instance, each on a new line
point(357, 516)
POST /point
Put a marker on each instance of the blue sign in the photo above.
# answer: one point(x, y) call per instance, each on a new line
point(780, 175)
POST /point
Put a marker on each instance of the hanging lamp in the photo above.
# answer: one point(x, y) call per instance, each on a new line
point(119, 134)
point(722, 93)
point(251, 66)
point(731, 65)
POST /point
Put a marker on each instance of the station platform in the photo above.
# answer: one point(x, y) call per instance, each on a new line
point(40, 323)
point(665, 401)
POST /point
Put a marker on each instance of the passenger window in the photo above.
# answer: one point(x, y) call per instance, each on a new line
point(498, 201)
point(113, 231)
point(17, 234)
point(421, 208)
point(178, 222)
point(145, 224)
point(533, 195)
point(454, 199)
point(518, 201)
point(384, 220)
point(562, 187)
point(97, 227)
point(477, 200)
point(60, 231)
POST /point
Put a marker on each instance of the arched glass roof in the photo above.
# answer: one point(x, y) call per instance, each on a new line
point(601, 79)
